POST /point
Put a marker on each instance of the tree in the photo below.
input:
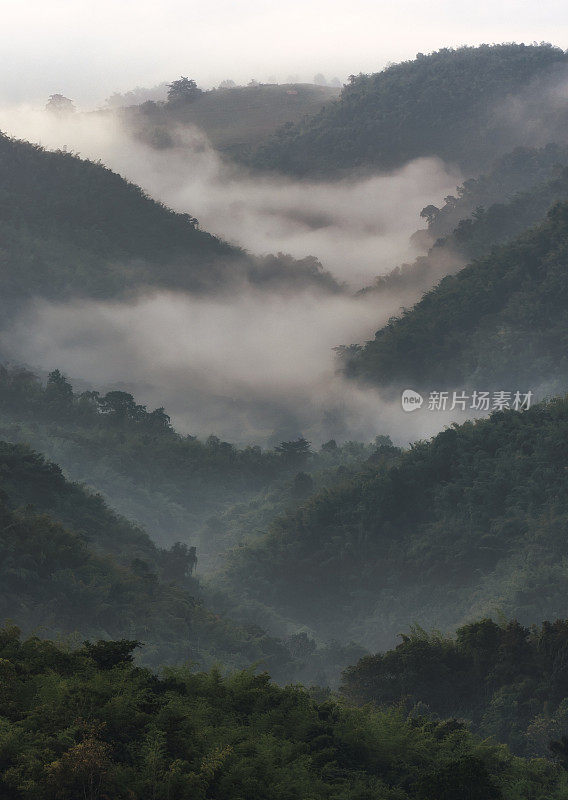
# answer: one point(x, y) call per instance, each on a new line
point(183, 90)
point(227, 84)
point(294, 452)
point(179, 563)
point(122, 404)
point(59, 104)
point(429, 213)
point(58, 388)
point(107, 655)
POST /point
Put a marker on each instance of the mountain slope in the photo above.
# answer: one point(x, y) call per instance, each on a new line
point(177, 487)
point(507, 681)
point(235, 119)
point(461, 105)
point(72, 227)
point(87, 719)
point(481, 227)
point(469, 523)
point(71, 566)
point(499, 323)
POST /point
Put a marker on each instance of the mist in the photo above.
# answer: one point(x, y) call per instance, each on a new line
point(258, 368)
point(258, 365)
point(358, 229)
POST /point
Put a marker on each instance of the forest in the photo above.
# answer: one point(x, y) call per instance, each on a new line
point(450, 103)
point(87, 722)
point(500, 320)
point(312, 593)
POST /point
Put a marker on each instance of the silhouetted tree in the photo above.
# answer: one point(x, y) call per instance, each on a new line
point(59, 104)
point(183, 90)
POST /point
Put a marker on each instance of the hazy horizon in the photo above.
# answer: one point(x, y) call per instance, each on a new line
point(89, 50)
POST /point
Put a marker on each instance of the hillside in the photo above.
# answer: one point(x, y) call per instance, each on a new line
point(177, 487)
point(499, 323)
point(71, 566)
point(460, 105)
point(491, 210)
point(235, 119)
point(83, 718)
point(72, 227)
point(465, 525)
point(505, 680)
point(516, 173)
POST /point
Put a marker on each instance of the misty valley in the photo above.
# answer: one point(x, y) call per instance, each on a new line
point(284, 434)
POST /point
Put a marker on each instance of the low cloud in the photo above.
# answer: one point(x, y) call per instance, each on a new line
point(257, 365)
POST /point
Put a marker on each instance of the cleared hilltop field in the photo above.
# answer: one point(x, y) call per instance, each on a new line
point(237, 119)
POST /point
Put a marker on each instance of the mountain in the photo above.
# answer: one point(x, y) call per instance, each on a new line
point(499, 321)
point(518, 173)
point(70, 566)
point(466, 525)
point(490, 210)
point(70, 227)
point(175, 486)
point(236, 119)
point(86, 722)
point(466, 106)
point(507, 681)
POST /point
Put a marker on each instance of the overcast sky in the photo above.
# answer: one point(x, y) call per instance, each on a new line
point(86, 49)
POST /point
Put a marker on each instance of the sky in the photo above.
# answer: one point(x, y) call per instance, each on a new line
point(88, 49)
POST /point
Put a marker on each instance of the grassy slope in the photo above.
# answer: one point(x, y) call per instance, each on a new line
point(235, 120)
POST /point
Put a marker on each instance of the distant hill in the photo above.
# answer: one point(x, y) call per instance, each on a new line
point(505, 680)
point(177, 487)
point(236, 119)
point(486, 211)
point(466, 106)
point(500, 320)
point(467, 525)
point(70, 227)
point(71, 566)
point(519, 172)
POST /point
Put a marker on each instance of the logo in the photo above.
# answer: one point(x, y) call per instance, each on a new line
point(411, 400)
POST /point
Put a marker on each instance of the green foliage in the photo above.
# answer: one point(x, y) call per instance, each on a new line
point(448, 104)
point(497, 322)
point(70, 226)
point(470, 523)
point(183, 90)
point(176, 486)
point(70, 729)
point(100, 576)
point(506, 681)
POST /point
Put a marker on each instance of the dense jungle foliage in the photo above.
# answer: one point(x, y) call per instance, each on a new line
point(459, 105)
point(88, 723)
point(71, 566)
point(177, 487)
point(70, 227)
point(499, 323)
point(505, 680)
point(469, 524)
